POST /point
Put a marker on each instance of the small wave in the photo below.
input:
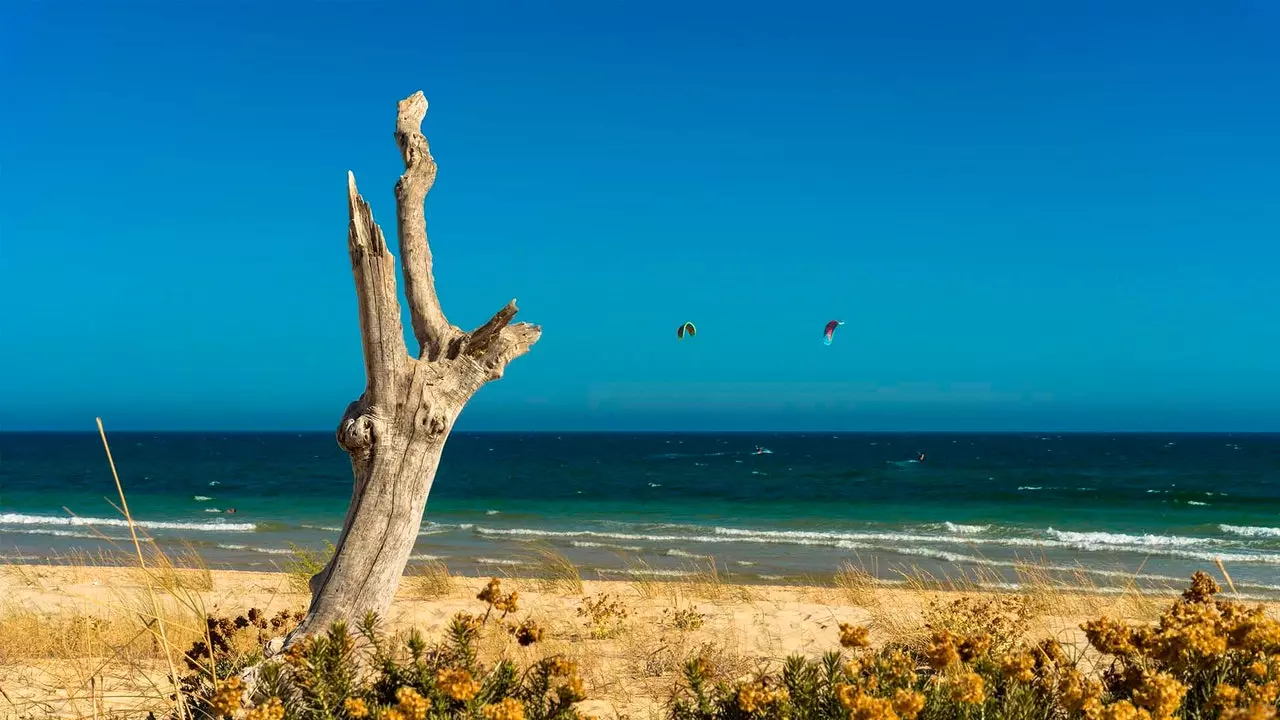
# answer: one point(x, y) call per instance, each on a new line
point(1196, 502)
point(491, 512)
point(75, 521)
point(677, 552)
point(499, 561)
point(69, 534)
point(426, 557)
point(1122, 539)
point(644, 572)
point(246, 548)
point(325, 528)
point(605, 546)
point(1250, 531)
point(1029, 487)
point(965, 529)
point(201, 498)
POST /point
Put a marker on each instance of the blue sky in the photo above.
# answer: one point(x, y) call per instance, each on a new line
point(1031, 215)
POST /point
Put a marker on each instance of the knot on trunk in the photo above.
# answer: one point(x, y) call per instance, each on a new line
point(356, 434)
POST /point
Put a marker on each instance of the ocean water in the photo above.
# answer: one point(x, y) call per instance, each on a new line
point(1114, 506)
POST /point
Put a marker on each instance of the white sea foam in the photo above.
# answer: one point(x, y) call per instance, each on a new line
point(677, 552)
point(69, 534)
point(1122, 539)
point(499, 561)
point(265, 551)
point(1250, 531)
point(965, 529)
point(643, 572)
point(605, 546)
point(73, 521)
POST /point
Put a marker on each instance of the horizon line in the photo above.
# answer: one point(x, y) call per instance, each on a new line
point(650, 431)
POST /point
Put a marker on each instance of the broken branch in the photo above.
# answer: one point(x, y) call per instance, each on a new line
point(381, 332)
point(430, 326)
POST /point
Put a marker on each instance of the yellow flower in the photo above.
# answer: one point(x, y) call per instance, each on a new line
point(356, 708)
point(908, 704)
point(273, 709)
point(1123, 710)
point(560, 667)
point(457, 684)
point(226, 700)
point(1109, 636)
point(974, 647)
point(942, 650)
point(412, 704)
point(1077, 692)
point(968, 688)
point(1256, 711)
point(491, 592)
point(896, 667)
point(1225, 696)
point(1161, 694)
point(508, 709)
point(1018, 667)
point(864, 707)
point(756, 696)
point(1202, 589)
point(854, 636)
point(572, 690)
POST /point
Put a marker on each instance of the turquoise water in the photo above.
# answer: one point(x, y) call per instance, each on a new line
point(1159, 506)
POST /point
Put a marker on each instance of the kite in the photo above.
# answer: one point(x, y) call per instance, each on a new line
point(686, 329)
point(831, 329)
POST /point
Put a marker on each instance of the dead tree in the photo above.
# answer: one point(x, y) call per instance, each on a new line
point(396, 430)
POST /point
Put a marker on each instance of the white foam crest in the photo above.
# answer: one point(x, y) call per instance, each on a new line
point(965, 529)
point(677, 552)
point(1122, 539)
point(426, 557)
point(73, 521)
point(265, 551)
point(644, 572)
point(499, 561)
point(606, 546)
point(1252, 531)
point(70, 534)
point(325, 528)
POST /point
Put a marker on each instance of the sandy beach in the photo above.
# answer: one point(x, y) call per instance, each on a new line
point(71, 633)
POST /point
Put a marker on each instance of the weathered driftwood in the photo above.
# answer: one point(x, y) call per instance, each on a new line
point(396, 430)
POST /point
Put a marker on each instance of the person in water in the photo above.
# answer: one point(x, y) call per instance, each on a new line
point(921, 458)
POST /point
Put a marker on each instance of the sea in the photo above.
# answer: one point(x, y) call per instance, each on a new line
point(1108, 509)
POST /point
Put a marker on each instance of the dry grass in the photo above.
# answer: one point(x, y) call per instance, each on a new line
point(557, 573)
point(429, 580)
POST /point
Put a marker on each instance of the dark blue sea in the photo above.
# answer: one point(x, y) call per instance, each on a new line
point(1116, 506)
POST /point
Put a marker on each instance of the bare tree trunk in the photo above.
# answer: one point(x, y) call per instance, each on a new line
point(396, 430)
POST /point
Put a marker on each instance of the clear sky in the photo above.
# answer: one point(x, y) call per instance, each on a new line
point(1031, 215)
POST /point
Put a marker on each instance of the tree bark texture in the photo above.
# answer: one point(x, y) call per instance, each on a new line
point(397, 429)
